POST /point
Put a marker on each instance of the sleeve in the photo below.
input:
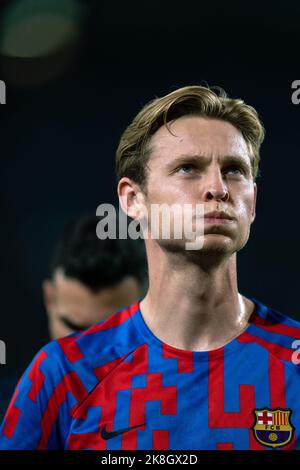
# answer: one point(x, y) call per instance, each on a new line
point(31, 417)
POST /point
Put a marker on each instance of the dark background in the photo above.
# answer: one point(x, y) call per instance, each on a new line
point(61, 125)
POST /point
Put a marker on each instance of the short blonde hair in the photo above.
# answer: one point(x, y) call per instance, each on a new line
point(133, 150)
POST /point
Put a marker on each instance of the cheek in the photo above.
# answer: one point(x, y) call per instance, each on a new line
point(244, 206)
point(169, 191)
point(58, 330)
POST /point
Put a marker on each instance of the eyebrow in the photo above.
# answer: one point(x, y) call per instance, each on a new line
point(226, 159)
point(73, 326)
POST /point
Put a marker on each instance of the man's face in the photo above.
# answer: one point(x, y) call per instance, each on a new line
point(73, 307)
point(206, 162)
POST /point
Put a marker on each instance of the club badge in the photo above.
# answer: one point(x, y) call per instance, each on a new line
point(273, 428)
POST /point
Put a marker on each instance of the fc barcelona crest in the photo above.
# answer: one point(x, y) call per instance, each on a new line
point(273, 428)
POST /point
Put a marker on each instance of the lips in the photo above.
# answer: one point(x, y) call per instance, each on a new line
point(218, 215)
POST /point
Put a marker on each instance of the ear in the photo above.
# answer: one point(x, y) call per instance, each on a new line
point(49, 295)
point(131, 198)
point(254, 202)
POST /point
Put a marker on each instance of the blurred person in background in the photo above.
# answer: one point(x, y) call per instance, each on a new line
point(91, 278)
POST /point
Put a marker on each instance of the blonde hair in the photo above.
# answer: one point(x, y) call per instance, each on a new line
point(133, 151)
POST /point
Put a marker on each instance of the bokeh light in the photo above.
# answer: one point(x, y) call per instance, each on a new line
point(39, 39)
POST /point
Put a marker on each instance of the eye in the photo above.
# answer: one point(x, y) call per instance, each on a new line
point(186, 168)
point(234, 169)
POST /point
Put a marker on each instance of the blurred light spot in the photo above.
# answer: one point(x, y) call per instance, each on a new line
point(40, 29)
point(38, 36)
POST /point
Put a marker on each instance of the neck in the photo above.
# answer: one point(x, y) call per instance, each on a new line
point(194, 305)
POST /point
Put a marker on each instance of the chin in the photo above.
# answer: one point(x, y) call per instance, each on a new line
point(222, 244)
point(176, 246)
point(225, 248)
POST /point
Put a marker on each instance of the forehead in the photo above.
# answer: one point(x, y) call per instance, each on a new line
point(193, 135)
point(71, 292)
point(73, 296)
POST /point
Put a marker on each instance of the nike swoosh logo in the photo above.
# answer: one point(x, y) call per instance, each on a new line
point(109, 435)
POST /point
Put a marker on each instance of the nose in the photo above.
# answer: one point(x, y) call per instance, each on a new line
point(215, 186)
